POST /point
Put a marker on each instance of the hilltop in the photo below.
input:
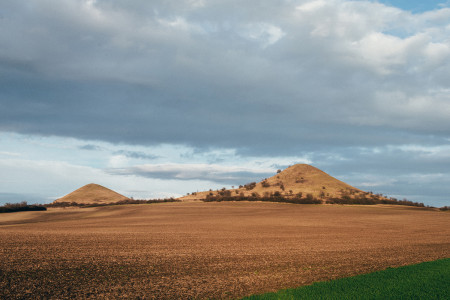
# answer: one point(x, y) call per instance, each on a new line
point(92, 194)
point(296, 181)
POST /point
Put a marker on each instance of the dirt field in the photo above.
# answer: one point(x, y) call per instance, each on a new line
point(207, 250)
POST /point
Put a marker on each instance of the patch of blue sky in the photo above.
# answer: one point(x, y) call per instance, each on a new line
point(417, 6)
point(413, 7)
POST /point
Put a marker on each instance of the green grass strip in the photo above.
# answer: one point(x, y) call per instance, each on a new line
point(429, 280)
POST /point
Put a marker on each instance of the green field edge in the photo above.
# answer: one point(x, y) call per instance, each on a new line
point(428, 280)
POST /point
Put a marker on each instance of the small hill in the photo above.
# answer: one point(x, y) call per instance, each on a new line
point(300, 178)
point(92, 194)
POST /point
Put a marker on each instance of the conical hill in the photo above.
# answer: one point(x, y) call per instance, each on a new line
point(92, 194)
point(297, 179)
point(305, 179)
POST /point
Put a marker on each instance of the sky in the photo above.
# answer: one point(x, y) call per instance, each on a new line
point(158, 99)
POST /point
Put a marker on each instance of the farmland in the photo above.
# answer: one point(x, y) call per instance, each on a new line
point(207, 250)
point(428, 280)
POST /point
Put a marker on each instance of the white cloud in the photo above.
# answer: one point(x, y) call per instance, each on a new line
point(180, 23)
point(118, 161)
point(385, 53)
point(420, 111)
point(5, 153)
point(312, 6)
point(436, 54)
point(251, 84)
point(206, 172)
point(265, 34)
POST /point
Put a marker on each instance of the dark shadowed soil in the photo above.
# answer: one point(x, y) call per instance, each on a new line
point(207, 250)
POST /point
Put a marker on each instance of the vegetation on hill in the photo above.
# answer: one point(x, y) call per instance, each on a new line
point(310, 199)
point(347, 197)
point(427, 280)
point(296, 179)
point(123, 202)
point(301, 184)
point(368, 198)
point(94, 195)
point(22, 206)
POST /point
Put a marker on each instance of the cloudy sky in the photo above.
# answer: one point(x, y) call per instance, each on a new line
point(165, 97)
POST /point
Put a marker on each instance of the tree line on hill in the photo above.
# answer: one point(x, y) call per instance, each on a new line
point(347, 197)
point(22, 206)
point(122, 202)
point(226, 195)
point(273, 197)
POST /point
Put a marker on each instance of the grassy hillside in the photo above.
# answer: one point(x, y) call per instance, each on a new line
point(92, 194)
point(302, 184)
point(429, 280)
point(299, 179)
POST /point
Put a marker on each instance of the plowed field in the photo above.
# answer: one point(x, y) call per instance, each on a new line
point(207, 250)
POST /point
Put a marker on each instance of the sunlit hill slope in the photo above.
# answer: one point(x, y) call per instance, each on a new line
point(92, 194)
point(297, 180)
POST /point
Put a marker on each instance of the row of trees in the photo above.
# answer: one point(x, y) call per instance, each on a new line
point(123, 202)
point(369, 198)
point(269, 197)
point(22, 206)
point(372, 201)
point(348, 197)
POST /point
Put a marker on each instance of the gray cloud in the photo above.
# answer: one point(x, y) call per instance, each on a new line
point(89, 147)
point(136, 154)
point(323, 78)
point(207, 172)
point(190, 73)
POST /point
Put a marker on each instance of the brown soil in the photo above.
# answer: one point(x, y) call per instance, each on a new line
point(207, 250)
point(92, 194)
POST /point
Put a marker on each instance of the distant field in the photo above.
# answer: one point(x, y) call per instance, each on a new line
point(429, 280)
point(207, 250)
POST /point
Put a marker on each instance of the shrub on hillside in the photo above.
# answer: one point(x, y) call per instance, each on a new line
point(309, 197)
point(265, 183)
point(226, 193)
point(250, 186)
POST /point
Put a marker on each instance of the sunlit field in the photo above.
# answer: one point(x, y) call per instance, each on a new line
point(207, 250)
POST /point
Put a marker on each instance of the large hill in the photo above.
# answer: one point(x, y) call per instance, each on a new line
point(297, 179)
point(92, 194)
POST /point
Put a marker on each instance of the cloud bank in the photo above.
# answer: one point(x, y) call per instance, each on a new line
point(208, 172)
point(225, 74)
point(356, 86)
